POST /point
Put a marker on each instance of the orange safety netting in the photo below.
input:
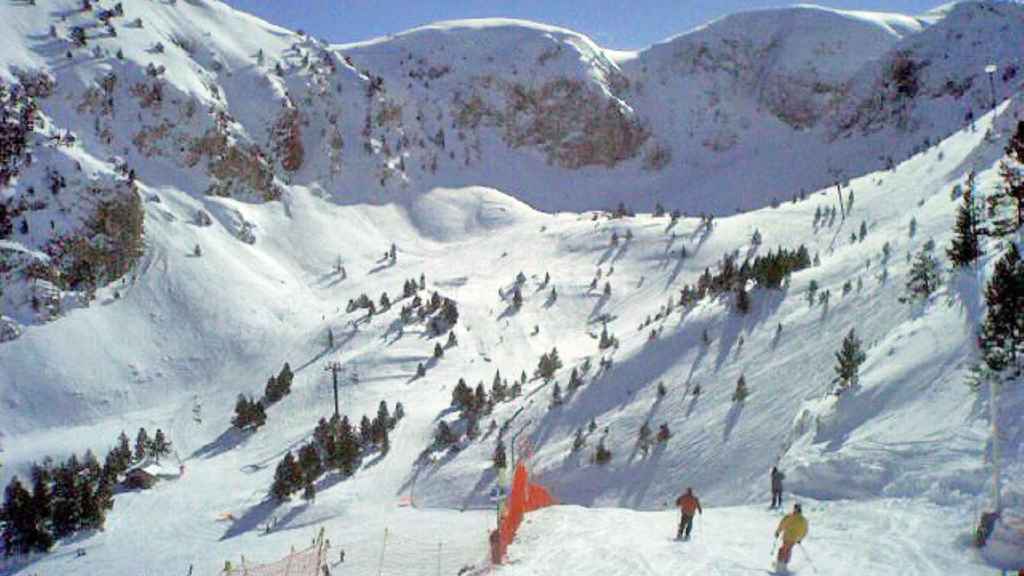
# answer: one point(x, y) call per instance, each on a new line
point(524, 497)
point(304, 563)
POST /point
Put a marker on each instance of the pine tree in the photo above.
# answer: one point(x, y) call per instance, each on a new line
point(848, 361)
point(92, 514)
point(742, 299)
point(285, 477)
point(863, 231)
point(421, 370)
point(398, 415)
point(444, 436)
point(347, 447)
point(499, 458)
point(578, 441)
point(924, 276)
point(284, 379)
point(574, 379)
point(1002, 330)
point(741, 392)
point(662, 391)
point(812, 290)
point(123, 453)
point(517, 298)
point(309, 492)
point(438, 351)
point(644, 435)
point(161, 445)
point(602, 455)
point(142, 444)
point(965, 247)
point(607, 288)
point(480, 401)
point(18, 517)
point(1012, 189)
point(66, 500)
point(366, 431)
point(452, 340)
point(605, 341)
point(384, 415)
point(309, 461)
point(556, 395)
point(272, 391)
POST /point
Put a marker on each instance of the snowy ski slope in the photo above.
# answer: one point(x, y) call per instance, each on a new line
point(894, 472)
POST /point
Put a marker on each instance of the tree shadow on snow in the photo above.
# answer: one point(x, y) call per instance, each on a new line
point(253, 518)
point(763, 303)
point(731, 419)
point(227, 441)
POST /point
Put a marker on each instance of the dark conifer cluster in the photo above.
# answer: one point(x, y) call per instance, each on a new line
point(71, 496)
point(336, 445)
point(251, 414)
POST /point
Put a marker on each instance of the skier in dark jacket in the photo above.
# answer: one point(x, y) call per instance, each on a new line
point(688, 505)
point(777, 478)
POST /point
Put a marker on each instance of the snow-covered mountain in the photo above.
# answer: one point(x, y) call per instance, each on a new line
point(190, 197)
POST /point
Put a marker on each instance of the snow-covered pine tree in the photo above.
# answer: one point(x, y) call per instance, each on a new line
point(556, 395)
point(1011, 170)
point(574, 379)
point(287, 478)
point(19, 519)
point(444, 436)
point(499, 458)
point(1002, 331)
point(578, 441)
point(438, 351)
point(142, 444)
point(812, 291)
point(848, 360)
point(309, 461)
point(741, 392)
point(965, 247)
point(161, 445)
point(365, 431)
point(924, 276)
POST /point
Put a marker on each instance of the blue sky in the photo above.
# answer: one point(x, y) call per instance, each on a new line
point(613, 24)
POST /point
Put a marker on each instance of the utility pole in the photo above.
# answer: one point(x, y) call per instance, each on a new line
point(991, 70)
point(994, 415)
point(334, 368)
point(839, 194)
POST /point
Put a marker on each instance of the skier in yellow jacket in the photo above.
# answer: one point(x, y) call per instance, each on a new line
point(793, 529)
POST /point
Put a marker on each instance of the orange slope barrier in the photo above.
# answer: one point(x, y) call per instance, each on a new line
point(524, 497)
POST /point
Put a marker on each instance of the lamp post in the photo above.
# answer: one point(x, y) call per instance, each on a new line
point(991, 70)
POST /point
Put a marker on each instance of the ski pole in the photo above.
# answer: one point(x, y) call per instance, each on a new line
point(808, 557)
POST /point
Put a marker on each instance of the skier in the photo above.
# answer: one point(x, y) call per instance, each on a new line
point(793, 529)
point(688, 504)
point(777, 478)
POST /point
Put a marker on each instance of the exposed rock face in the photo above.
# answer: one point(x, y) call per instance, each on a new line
point(572, 124)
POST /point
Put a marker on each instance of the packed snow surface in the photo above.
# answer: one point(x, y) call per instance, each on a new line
point(762, 112)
